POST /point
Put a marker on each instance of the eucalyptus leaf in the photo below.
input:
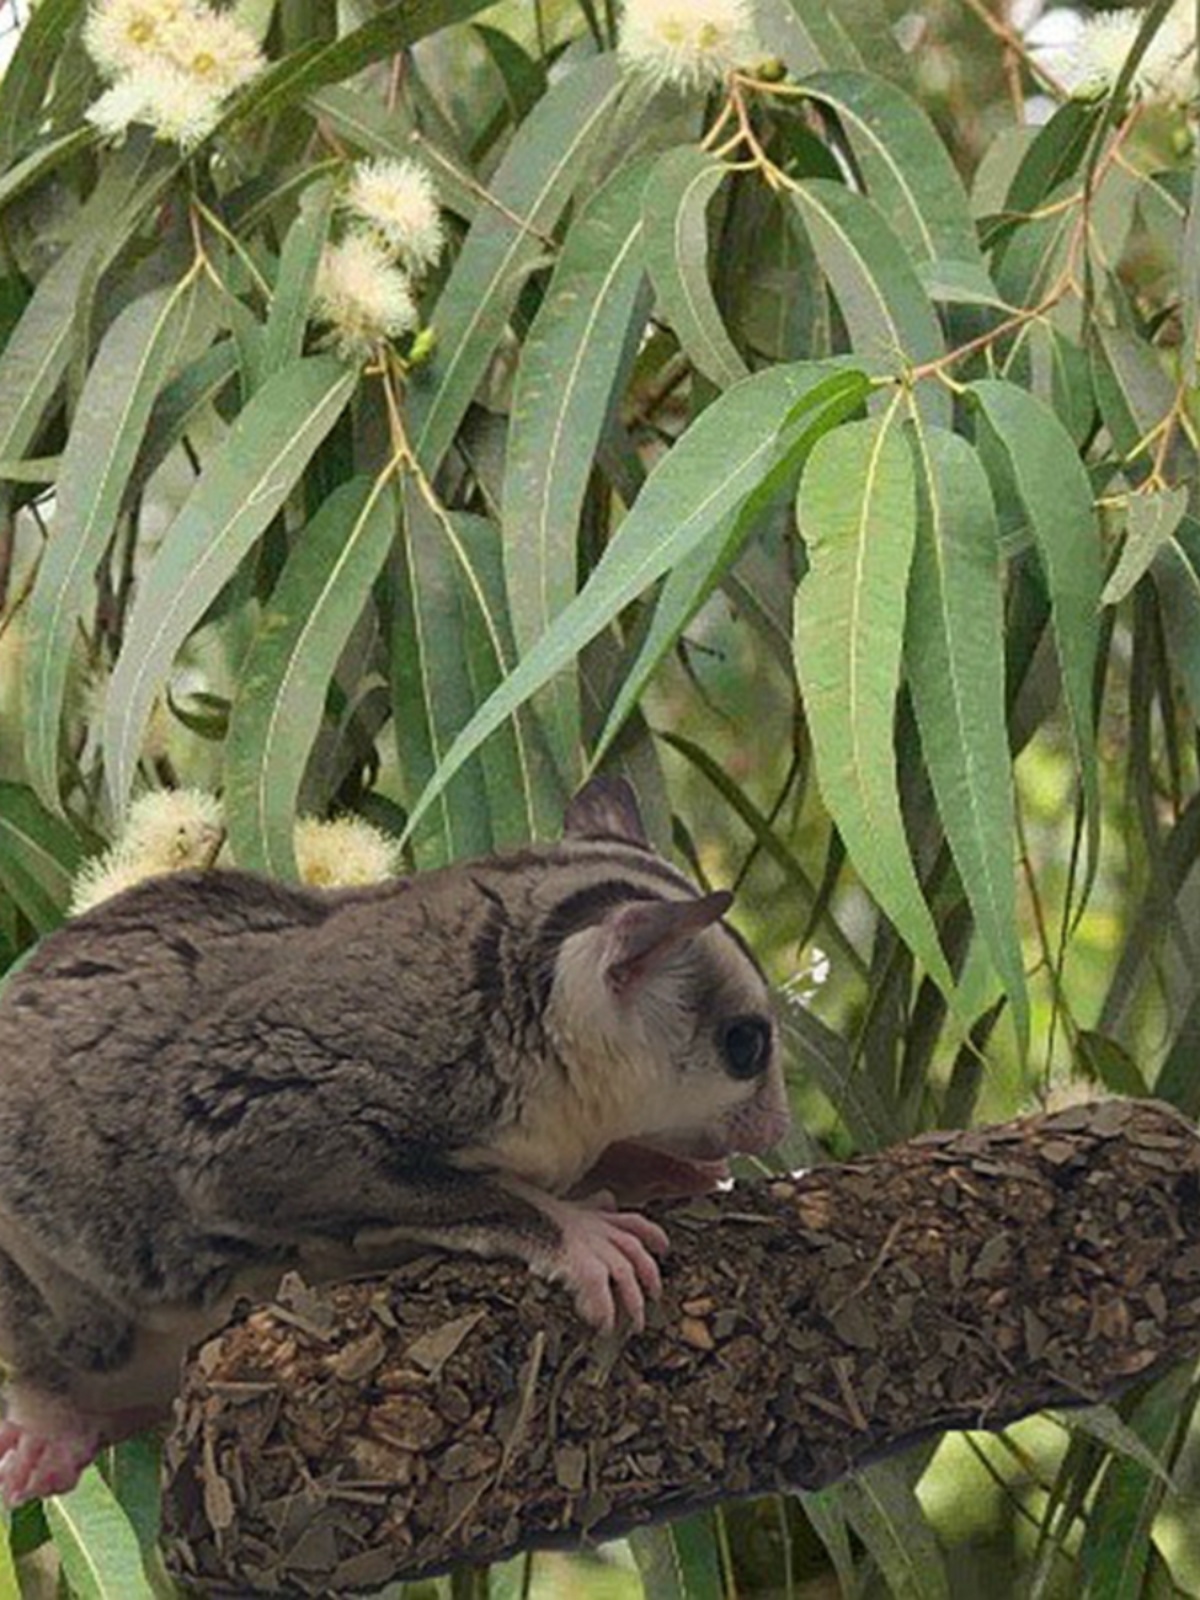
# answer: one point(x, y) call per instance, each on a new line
point(857, 514)
point(833, 393)
point(720, 459)
point(1054, 491)
point(532, 185)
point(890, 320)
point(907, 168)
point(292, 300)
point(96, 1543)
point(674, 211)
point(320, 595)
point(1153, 517)
point(575, 359)
point(234, 499)
point(134, 361)
point(39, 855)
point(954, 662)
point(680, 1560)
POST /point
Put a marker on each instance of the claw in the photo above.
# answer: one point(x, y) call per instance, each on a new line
point(37, 1461)
point(607, 1259)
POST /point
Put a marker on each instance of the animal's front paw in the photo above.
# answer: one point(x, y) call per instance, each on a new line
point(34, 1463)
point(607, 1260)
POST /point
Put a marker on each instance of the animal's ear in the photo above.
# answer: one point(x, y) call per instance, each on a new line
point(606, 808)
point(644, 933)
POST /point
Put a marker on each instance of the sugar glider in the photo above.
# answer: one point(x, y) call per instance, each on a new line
point(212, 1077)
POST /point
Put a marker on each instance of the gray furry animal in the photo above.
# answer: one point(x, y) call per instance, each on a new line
point(212, 1077)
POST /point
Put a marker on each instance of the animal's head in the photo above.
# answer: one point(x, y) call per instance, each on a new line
point(661, 999)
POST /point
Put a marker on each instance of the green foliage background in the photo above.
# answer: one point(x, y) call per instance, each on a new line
point(824, 458)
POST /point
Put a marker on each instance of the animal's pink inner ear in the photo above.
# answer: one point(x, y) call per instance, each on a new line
point(645, 933)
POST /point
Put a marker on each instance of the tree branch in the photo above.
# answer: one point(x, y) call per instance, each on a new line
point(456, 1410)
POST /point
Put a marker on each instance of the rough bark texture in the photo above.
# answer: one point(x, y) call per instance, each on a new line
point(456, 1410)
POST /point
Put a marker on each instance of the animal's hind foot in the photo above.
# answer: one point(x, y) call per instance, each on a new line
point(46, 1457)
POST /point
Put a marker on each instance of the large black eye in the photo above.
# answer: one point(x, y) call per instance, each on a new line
point(746, 1045)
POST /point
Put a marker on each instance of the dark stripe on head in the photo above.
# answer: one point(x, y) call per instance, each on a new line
point(583, 909)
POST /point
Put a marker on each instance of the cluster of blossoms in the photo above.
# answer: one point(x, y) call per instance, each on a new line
point(688, 44)
point(171, 65)
point(1086, 55)
point(174, 830)
point(364, 284)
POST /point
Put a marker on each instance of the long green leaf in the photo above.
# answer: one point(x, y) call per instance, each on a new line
point(718, 462)
point(954, 662)
point(882, 1507)
point(305, 625)
point(908, 172)
point(1053, 489)
point(812, 33)
point(572, 364)
point(298, 263)
point(42, 161)
point(857, 513)
point(891, 322)
point(1116, 1549)
point(10, 1588)
point(1153, 519)
point(134, 360)
point(393, 29)
point(36, 355)
point(452, 647)
point(674, 211)
point(96, 1543)
point(533, 183)
point(184, 401)
point(39, 854)
point(27, 76)
point(233, 501)
point(833, 394)
point(680, 1561)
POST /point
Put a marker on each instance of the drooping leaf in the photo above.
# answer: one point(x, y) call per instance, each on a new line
point(857, 514)
point(680, 1560)
point(36, 355)
point(1176, 570)
point(39, 855)
point(954, 662)
point(531, 186)
point(394, 28)
point(39, 163)
point(1043, 465)
point(452, 646)
point(908, 172)
point(890, 320)
point(234, 499)
point(674, 211)
point(281, 696)
point(10, 1589)
point(524, 79)
point(808, 34)
point(1115, 1551)
point(1136, 397)
point(28, 73)
point(136, 357)
point(96, 1543)
point(721, 458)
point(578, 348)
point(881, 1506)
point(184, 401)
point(1153, 517)
point(291, 302)
point(833, 395)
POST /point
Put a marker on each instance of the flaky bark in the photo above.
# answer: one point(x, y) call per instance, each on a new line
point(456, 1410)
